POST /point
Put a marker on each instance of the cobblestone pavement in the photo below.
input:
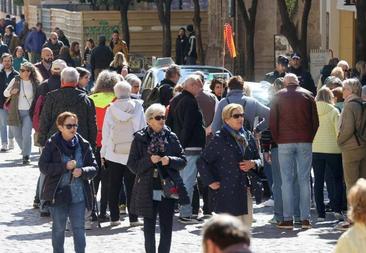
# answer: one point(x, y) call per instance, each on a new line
point(22, 230)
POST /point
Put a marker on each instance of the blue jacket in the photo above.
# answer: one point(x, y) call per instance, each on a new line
point(219, 162)
point(51, 165)
point(35, 41)
point(252, 109)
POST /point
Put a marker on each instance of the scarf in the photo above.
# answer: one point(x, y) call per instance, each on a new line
point(239, 137)
point(68, 148)
point(158, 141)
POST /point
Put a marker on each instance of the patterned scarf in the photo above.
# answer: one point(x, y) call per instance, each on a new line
point(239, 137)
point(158, 141)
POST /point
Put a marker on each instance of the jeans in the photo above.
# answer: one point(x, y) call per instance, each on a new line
point(330, 165)
point(295, 158)
point(117, 173)
point(165, 209)
point(76, 214)
point(189, 175)
point(4, 127)
point(276, 186)
point(23, 133)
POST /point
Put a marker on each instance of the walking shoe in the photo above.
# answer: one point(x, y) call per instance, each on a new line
point(187, 220)
point(268, 203)
point(115, 223)
point(285, 224)
point(136, 223)
point(4, 147)
point(122, 209)
point(305, 224)
point(11, 144)
point(103, 218)
point(26, 160)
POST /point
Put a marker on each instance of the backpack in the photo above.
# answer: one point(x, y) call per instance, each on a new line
point(152, 98)
point(360, 131)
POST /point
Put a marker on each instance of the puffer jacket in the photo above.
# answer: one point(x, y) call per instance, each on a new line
point(72, 100)
point(139, 162)
point(325, 140)
point(51, 165)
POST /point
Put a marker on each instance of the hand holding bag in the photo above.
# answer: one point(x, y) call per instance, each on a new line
point(168, 186)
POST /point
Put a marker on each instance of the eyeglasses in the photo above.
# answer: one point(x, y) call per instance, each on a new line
point(159, 117)
point(238, 115)
point(23, 70)
point(69, 126)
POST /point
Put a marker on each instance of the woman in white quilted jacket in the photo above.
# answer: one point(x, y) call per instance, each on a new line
point(123, 118)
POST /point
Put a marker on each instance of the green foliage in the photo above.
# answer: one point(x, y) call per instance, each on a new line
point(19, 2)
point(291, 7)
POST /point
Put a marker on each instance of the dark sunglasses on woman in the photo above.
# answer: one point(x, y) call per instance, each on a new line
point(69, 126)
point(159, 117)
point(238, 115)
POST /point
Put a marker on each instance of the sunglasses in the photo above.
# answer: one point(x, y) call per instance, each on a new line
point(238, 115)
point(23, 70)
point(159, 117)
point(69, 126)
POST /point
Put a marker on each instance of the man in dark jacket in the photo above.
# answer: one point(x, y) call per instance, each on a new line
point(44, 66)
point(101, 57)
point(54, 44)
point(6, 75)
point(68, 98)
point(280, 71)
point(181, 46)
point(167, 85)
point(293, 123)
point(185, 119)
point(191, 54)
point(304, 76)
point(34, 43)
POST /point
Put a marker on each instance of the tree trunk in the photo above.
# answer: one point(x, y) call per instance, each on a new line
point(124, 20)
point(361, 30)
point(197, 29)
point(164, 18)
point(289, 30)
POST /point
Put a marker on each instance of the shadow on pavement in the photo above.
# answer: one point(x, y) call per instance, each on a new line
point(31, 237)
point(30, 218)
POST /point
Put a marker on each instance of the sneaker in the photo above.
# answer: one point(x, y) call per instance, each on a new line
point(268, 203)
point(122, 209)
point(103, 218)
point(285, 224)
point(88, 225)
point(115, 223)
point(305, 224)
point(26, 160)
point(136, 223)
point(4, 148)
point(11, 144)
point(187, 220)
point(339, 216)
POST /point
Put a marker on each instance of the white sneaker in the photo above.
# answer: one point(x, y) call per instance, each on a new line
point(4, 147)
point(88, 225)
point(268, 203)
point(115, 223)
point(11, 144)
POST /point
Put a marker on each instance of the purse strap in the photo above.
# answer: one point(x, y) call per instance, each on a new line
point(22, 87)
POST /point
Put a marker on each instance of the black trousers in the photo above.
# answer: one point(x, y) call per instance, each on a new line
point(102, 178)
point(117, 173)
point(200, 189)
point(165, 209)
point(329, 165)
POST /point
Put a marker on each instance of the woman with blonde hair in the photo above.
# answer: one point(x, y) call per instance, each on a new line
point(21, 92)
point(354, 239)
point(338, 72)
point(119, 64)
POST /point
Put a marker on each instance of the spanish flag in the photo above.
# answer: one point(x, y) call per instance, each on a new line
point(229, 40)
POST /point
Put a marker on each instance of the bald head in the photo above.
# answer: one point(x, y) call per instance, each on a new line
point(290, 79)
point(47, 55)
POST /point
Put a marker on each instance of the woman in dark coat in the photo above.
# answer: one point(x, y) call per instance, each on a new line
point(68, 163)
point(181, 45)
point(226, 164)
point(156, 154)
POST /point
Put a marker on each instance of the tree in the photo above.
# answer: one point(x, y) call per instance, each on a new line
point(249, 16)
point(197, 28)
point(123, 9)
point(290, 31)
point(164, 7)
point(361, 30)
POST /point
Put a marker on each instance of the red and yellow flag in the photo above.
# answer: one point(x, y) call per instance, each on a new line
point(229, 40)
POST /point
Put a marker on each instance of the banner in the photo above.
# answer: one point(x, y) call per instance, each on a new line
point(229, 40)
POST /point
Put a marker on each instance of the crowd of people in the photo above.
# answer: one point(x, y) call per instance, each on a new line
point(157, 157)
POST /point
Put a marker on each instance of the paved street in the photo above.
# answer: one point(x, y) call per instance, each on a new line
point(22, 230)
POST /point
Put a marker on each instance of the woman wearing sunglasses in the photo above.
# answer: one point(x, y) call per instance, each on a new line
point(225, 163)
point(68, 163)
point(21, 91)
point(156, 154)
point(123, 118)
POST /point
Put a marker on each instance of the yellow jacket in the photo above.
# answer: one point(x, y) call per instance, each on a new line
point(353, 240)
point(325, 140)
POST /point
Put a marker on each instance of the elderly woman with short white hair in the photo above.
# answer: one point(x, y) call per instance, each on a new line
point(123, 118)
point(135, 83)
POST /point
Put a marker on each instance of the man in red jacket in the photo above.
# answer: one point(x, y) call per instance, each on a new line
point(293, 123)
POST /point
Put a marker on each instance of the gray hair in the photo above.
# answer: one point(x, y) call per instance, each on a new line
point(153, 110)
point(354, 85)
point(342, 64)
point(122, 89)
point(325, 95)
point(290, 78)
point(171, 71)
point(70, 75)
point(106, 81)
point(191, 79)
point(132, 78)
